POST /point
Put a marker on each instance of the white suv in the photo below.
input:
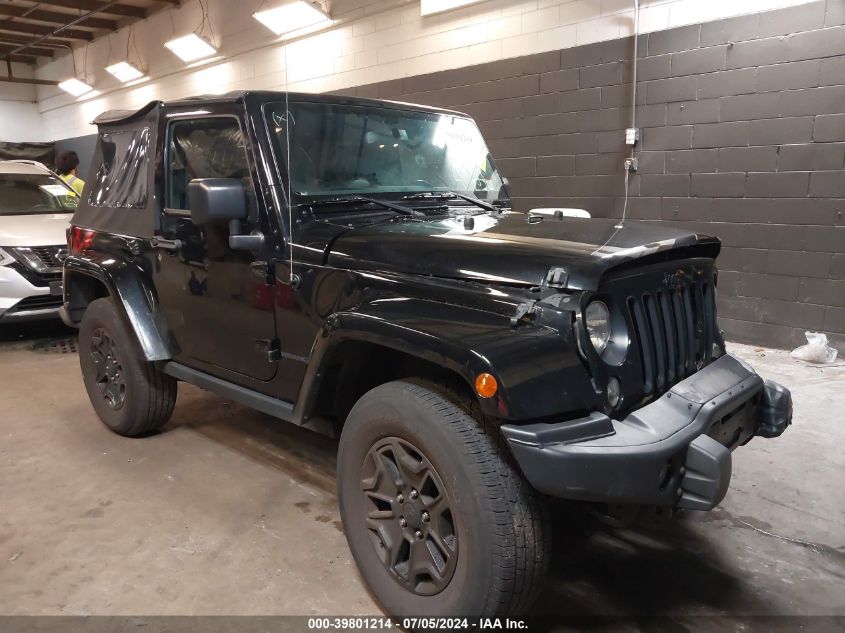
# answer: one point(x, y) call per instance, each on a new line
point(35, 209)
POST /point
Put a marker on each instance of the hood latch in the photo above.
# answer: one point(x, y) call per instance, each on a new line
point(557, 278)
point(525, 311)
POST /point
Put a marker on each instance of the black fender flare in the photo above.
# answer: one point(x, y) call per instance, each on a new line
point(399, 329)
point(134, 299)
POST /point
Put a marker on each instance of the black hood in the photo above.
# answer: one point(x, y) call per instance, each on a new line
point(508, 249)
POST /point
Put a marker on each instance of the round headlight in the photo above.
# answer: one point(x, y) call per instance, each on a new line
point(597, 321)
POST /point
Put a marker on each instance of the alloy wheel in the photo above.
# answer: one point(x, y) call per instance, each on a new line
point(409, 516)
point(108, 371)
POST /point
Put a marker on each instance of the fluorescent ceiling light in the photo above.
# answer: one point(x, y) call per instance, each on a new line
point(429, 7)
point(124, 71)
point(75, 87)
point(190, 47)
point(292, 17)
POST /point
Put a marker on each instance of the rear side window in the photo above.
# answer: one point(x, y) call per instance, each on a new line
point(121, 178)
point(204, 148)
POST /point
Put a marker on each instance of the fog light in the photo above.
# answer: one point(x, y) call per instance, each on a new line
point(614, 392)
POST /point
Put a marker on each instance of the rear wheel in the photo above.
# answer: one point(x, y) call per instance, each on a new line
point(129, 395)
point(438, 518)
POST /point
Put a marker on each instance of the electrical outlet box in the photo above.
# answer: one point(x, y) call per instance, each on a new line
point(632, 135)
point(631, 164)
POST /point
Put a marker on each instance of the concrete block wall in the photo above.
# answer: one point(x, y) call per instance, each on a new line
point(743, 136)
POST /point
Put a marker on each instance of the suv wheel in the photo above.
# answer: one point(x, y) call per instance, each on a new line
point(438, 518)
point(129, 395)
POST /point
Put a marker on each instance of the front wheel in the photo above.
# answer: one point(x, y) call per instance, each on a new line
point(438, 518)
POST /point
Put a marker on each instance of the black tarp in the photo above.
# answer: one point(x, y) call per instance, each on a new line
point(42, 152)
point(84, 147)
point(119, 198)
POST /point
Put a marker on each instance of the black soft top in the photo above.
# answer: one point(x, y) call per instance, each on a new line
point(120, 117)
point(120, 198)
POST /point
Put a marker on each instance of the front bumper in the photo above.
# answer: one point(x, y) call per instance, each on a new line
point(20, 300)
point(675, 451)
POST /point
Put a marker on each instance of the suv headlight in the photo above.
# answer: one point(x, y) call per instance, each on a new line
point(5, 258)
point(597, 322)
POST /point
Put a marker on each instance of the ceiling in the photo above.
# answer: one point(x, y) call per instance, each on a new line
point(33, 29)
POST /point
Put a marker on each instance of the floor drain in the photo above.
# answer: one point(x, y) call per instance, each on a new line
point(56, 346)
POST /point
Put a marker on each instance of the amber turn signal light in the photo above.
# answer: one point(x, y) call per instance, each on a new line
point(485, 385)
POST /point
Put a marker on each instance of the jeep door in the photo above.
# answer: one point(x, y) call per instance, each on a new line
point(217, 301)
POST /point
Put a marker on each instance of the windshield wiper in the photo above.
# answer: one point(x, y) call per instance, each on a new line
point(450, 195)
point(353, 199)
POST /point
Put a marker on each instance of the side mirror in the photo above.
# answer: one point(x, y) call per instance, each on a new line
point(217, 200)
point(221, 200)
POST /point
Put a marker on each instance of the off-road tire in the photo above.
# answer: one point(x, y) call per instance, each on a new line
point(148, 395)
point(502, 525)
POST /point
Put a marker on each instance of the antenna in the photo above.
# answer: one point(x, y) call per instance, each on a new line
point(293, 279)
point(630, 163)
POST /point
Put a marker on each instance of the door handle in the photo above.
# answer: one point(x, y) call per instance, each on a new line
point(261, 268)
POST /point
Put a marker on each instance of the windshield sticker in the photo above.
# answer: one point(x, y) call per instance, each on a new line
point(279, 118)
point(56, 190)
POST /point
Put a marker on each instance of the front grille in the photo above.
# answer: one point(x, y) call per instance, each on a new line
point(38, 302)
point(49, 256)
point(36, 278)
point(39, 264)
point(675, 330)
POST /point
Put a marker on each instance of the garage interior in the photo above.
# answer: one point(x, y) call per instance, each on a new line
point(740, 108)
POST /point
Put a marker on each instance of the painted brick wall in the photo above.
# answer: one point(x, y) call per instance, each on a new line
point(743, 137)
point(370, 40)
point(20, 120)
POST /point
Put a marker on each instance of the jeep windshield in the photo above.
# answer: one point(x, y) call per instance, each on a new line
point(340, 151)
point(27, 194)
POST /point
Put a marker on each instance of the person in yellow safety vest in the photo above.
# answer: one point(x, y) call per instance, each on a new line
point(66, 165)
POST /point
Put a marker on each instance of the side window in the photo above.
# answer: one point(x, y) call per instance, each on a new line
point(121, 178)
point(204, 148)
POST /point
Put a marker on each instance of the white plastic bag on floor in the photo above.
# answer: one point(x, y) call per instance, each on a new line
point(816, 350)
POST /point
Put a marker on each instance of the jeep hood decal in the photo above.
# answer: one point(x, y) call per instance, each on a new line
point(508, 249)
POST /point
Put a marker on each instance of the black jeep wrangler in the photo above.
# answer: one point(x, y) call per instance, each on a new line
point(354, 266)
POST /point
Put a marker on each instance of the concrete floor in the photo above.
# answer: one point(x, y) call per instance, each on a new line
point(229, 511)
